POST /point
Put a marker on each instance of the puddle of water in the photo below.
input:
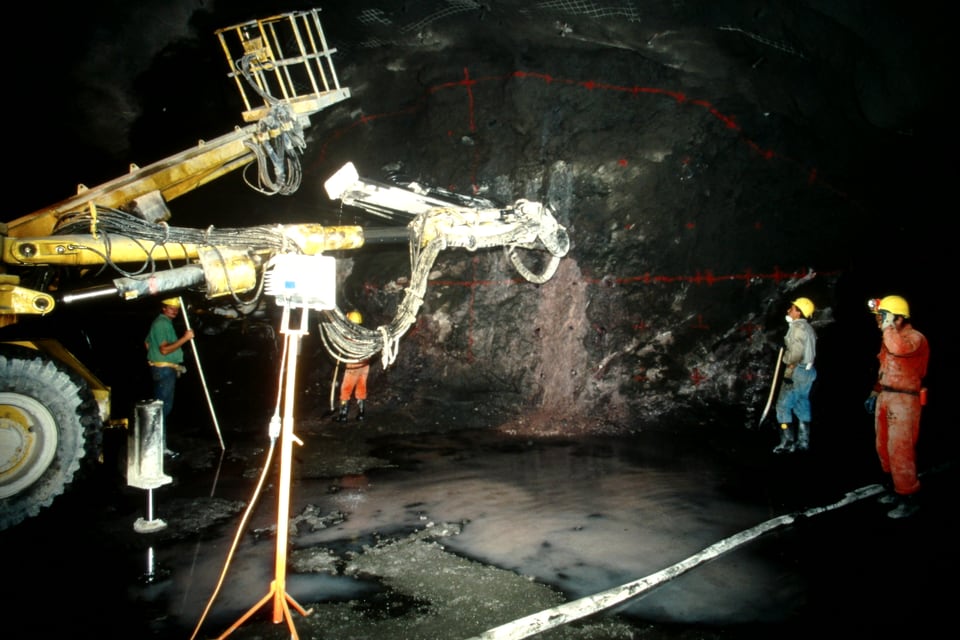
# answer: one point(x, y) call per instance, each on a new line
point(581, 516)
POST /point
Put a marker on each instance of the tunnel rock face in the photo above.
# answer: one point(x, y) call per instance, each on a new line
point(695, 216)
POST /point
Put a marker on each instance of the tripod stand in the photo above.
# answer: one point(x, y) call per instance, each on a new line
point(282, 601)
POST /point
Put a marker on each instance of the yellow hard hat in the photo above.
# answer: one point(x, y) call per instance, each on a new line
point(355, 317)
point(805, 305)
point(172, 302)
point(895, 305)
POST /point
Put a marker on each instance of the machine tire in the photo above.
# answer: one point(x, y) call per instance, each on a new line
point(48, 421)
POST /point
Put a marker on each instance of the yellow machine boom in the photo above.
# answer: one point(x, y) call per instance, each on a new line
point(51, 405)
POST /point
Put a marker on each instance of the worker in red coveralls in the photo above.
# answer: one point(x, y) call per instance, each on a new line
point(897, 399)
point(354, 381)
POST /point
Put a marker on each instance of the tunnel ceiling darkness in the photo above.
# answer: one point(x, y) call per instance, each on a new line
point(710, 160)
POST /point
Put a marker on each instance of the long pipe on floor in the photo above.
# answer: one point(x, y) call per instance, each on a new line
point(570, 611)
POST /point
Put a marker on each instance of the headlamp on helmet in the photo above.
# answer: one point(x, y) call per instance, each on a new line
point(895, 305)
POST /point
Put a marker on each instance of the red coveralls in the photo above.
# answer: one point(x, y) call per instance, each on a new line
point(904, 355)
point(355, 381)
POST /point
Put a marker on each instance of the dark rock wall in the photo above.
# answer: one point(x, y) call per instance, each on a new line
point(690, 232)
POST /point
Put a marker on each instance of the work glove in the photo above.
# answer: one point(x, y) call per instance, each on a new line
point(870, 404)
point(181, 370)
point(887, 320)
point(788, 373)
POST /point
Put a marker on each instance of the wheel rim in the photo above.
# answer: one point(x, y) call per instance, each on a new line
point(28, 442)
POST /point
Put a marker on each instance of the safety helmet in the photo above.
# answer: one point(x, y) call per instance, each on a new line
point(172, 302)
point(805, 305)
point(895, 305)
point(355, 317)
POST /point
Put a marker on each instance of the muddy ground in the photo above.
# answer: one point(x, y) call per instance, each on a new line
point(427, 592)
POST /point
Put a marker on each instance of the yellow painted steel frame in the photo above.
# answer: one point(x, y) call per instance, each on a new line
point(80, 250)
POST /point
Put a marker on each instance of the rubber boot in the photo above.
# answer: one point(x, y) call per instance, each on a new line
point(361, 405)
point(803, 437)
point(889, 496)
point(906, 507)
point(344, 410)
point(786, 440)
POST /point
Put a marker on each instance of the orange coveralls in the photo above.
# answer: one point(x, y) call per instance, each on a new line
point(904, 355)
point(354, 381)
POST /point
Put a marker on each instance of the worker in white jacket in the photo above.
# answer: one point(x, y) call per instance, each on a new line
point(799, 352)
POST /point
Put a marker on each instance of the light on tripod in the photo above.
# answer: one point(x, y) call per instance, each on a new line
point(305, 282)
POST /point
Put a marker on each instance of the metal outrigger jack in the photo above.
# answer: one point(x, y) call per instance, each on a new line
point(145, 448)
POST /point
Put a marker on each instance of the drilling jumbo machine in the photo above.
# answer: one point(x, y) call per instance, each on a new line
point(53, 408)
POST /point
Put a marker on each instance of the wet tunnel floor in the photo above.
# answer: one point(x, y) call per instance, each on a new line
point(405, 535)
